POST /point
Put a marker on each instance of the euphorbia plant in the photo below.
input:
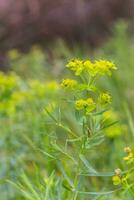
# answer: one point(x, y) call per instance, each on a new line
point(82, 99)
point(90, 104)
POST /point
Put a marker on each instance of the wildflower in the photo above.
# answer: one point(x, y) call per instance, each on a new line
point(69, 83)
point(76, 65)
point(79, 66)
point(130, 155)
point(90, 105)
point(101, 67)
point(89, 67)
point(117, 178)
point(87, 104)
point(104, 67)
point(104, 99)
point(80, 104)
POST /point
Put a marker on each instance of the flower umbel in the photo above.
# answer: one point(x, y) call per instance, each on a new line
point(80, 104)
point(104, 67)
point(87, 104)
point(89, 67)
point(76, 65)
point(69, 84)
point(105, 99)
point(99, 67)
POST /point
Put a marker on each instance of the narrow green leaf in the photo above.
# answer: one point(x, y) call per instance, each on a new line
point(70, 182)
point(46, 154)
point(86, 163)
point(108, 125)
point(99, 174)
point(96, 193)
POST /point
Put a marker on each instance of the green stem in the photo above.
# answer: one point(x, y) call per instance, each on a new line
point(76, 179)
point(128, 187)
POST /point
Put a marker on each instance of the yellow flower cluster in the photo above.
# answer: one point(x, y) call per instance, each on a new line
point(40, 89)
point(104, 67)
point(85, 104)
point(118, 178)
point(15, 94)
point(76, 65)
point(69, 84)
point(99, 67)
point(105, 99)
point(130, 155)
point(8, 81)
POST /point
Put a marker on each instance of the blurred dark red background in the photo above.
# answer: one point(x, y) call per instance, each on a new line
point(26, 22)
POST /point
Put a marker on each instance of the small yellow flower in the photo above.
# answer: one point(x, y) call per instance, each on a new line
point(105, 99)
point(90, 105)
point(104, 67)
point(116, 180)
point(89, 67)
point(80, 104)
point(87, 104)
point(76, 65)
point(69, 84)
point(130, 155)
